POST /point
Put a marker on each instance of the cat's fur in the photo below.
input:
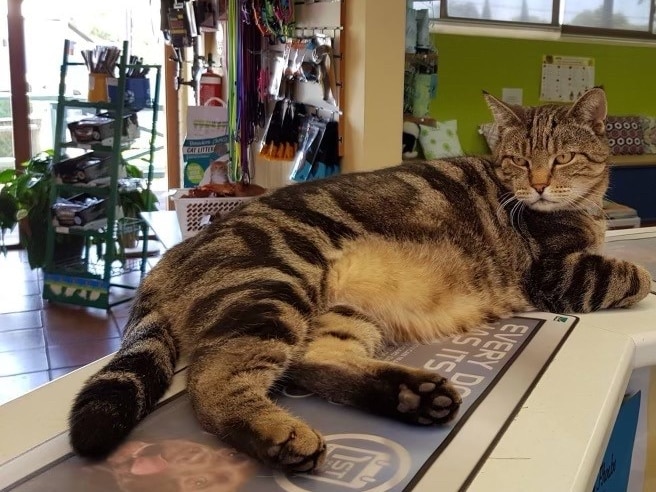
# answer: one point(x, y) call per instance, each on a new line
point(308, 282)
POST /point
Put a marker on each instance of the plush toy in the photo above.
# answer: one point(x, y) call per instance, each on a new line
point(410, 136)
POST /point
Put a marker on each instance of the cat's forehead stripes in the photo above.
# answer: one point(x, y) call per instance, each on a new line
point(540, 125)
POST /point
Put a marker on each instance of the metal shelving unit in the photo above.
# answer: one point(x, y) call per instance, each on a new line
point(98, 276)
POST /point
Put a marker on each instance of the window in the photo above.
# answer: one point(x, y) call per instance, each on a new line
point(86, 24)
point(538, 11)
point(6, 128)
point(630, 15)
point(626, 18)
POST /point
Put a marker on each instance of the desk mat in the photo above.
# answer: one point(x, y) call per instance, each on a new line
point(168, 451)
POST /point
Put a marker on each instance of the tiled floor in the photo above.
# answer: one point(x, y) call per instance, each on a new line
point(40, 341)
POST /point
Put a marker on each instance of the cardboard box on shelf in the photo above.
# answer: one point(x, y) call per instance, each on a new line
point(78, 210)
point(99, 129)
point(83, 169)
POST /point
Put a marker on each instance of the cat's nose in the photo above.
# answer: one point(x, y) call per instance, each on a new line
point(540, 187)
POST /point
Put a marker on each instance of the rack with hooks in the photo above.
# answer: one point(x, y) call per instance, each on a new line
point(307, 70)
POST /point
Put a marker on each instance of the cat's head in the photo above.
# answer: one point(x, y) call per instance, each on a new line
point(553, 157)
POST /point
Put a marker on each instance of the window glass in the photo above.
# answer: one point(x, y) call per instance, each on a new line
point(535, 11)
point(631, 15)
point(608, 14)
point(6, 136)
point(433, 8)
point(88, 24)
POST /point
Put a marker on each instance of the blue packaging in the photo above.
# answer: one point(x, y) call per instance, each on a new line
point(137, 92)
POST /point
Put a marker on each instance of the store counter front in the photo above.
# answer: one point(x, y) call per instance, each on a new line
point(537, 414)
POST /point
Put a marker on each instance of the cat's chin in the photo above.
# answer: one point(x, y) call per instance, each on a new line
point(542, 205)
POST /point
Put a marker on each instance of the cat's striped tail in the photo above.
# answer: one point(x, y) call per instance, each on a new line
point(114, 400)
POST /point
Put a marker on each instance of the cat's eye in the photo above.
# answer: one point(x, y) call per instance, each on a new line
point(564, 158)
point(520, 161)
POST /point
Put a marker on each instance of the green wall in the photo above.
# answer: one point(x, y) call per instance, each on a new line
point(468, 65)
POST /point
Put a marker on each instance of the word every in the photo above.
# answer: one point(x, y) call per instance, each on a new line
point(473, 357)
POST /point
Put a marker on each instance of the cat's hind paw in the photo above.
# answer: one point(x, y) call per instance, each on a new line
point(429, 402)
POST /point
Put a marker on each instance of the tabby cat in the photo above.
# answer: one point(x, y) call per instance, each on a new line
point(307, 283)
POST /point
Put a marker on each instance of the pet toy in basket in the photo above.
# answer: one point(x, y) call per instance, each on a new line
point(195, 207)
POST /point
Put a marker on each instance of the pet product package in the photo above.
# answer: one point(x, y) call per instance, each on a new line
point(206, 143)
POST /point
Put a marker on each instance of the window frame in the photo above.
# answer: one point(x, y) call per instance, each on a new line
point(555, 24)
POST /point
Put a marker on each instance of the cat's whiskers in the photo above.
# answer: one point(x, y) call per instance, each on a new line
point(588, 205)
point(523, 231)
point(506, 198)
point(512, 214)
point(516, 211)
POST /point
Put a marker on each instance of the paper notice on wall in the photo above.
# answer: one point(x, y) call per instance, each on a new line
point(565, 78)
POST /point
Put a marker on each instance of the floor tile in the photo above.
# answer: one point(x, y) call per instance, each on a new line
point(40, 340)
point(78, 354)
point(20, 321)
point(120, 314)
point(153, 261)
point(57, 373)
point(16, 269)
point(61, 314)
point(121, 322)
point(78, 333)
point(131, 279)
point(20, 302)
point(121, 310)
point(22, 361)
point(12, 387)
point(21, 339)
point(20, 287)
point(72, 324)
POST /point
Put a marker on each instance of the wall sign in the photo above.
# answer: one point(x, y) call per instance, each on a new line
point(565, 78)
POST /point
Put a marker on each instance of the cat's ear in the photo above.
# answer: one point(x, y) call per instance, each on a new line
point(505, 115)
point(591, 108)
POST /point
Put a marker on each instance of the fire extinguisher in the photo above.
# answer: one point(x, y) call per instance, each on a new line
point(211, 86)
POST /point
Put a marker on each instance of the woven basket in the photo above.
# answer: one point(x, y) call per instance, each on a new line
point(191, 211)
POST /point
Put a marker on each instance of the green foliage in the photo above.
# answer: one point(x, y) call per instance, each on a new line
point(8, 209)
point(136, 199)
point(132, 171)
point(25, 200)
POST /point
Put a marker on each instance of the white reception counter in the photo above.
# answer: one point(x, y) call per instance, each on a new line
point(554, 443)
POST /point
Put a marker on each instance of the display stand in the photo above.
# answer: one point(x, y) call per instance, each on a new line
point(96, 274)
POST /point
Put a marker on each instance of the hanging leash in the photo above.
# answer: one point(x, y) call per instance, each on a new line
point(248, 68)
point(284, 12)
point(233, 21)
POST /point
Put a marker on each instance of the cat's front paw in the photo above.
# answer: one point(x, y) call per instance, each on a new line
point(645, 283)
point(428, 400)
point(639, 288)
point(294, 448)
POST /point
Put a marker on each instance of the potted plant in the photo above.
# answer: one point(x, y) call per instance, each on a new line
point(25, 201)
point(134, 198)
point(8, 207)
